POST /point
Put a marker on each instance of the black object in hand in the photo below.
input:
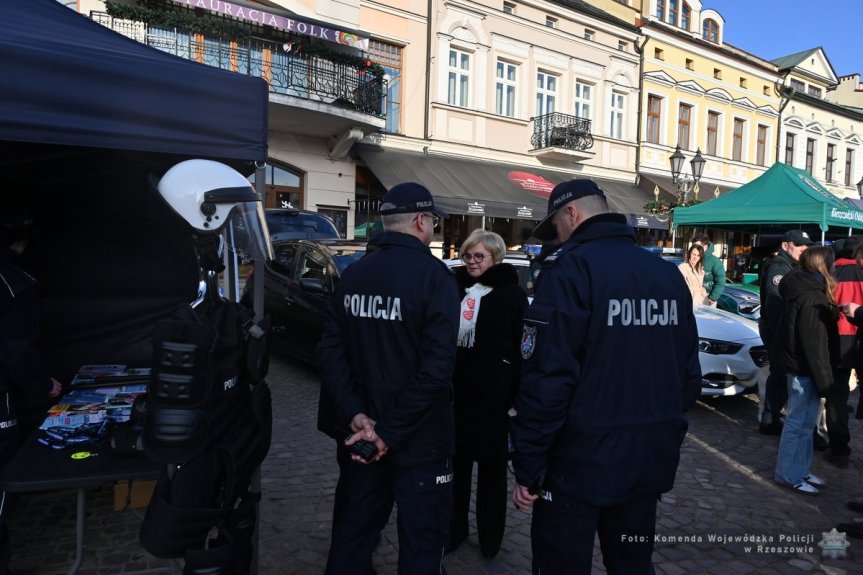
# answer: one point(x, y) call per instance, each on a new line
point(365, 449)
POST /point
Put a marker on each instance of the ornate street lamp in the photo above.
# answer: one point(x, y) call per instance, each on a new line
point(686, 183)
point(860, 188)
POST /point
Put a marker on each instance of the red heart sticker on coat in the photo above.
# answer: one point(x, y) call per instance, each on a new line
point(468, 313)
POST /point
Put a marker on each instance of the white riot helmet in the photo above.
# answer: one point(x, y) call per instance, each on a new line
point(213, 197)
point(204, 192)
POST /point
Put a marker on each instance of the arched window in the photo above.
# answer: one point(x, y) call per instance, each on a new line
point(284, 186)
point(685, 17)
point(710, 31)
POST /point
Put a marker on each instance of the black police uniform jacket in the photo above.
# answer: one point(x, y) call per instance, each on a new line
point(487, 374)
point(610, 365)
point(773, 270)
point(21, 370)
point(807, 338)
point(388, 349)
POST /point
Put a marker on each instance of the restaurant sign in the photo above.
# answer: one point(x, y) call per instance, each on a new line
point(525, 212)
point(247, 13)
point(476, 208)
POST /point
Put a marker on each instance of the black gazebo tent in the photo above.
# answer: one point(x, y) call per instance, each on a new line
point(86, 116)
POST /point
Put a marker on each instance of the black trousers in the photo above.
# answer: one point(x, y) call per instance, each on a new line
point(10, 441)
point(491, 501)
point(424, 498)
point(563, 531)
point(836, 405)
point(776, 386)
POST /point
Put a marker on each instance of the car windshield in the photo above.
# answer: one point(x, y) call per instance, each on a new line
point(297, 225)
point(343, 257)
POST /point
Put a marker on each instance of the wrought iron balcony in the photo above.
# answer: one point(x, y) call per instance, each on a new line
point(293, 73)
point(558, 130)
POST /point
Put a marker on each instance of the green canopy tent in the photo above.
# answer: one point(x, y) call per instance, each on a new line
point(782, 196)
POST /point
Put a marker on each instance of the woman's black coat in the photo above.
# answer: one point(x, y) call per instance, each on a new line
point(486, 375)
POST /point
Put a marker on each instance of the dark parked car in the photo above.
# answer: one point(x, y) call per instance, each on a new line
point(741, 299)
point(294, 224)
point(297, 287)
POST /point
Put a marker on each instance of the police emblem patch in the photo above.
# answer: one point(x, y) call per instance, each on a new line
point(776, 279)
point(528, 341)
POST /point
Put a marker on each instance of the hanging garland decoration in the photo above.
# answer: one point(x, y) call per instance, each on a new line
point(182, 18)
point(210, 25)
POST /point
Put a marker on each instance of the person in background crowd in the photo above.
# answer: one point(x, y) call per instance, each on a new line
point(387, 355)
point(24, 382)
point(806, 346)
point(714, 271)
point(849, 289)
point(854, 312)
point(693, 272)
point(773, 269)
point(487, 369)
point(597, 438)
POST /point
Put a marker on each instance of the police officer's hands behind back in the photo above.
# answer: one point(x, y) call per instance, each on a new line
point(523, 498)
point(363, 428)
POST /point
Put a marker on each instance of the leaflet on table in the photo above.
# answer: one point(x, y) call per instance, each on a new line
point(96, 374)
point(93, 405)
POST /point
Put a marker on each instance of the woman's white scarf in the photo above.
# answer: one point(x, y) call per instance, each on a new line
point(469, 313)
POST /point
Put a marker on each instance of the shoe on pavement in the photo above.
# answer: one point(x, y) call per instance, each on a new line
point(856, 505)
point(837, 459)
point(814, 480)
point(805, 488)
point(770, 428)
point(851, 529)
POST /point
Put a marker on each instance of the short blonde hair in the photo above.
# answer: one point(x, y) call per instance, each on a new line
point(490, 240)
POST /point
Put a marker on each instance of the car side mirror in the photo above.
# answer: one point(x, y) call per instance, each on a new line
point(314, 285)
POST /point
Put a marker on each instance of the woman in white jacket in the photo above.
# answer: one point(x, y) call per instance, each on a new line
point(693, 272)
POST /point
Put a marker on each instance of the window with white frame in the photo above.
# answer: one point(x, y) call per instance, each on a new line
point(508, 8)
point(546, 93)
point(551, 22)
point(761, 145)
point(712, 132)
point(660, 10)
point(686, 17)
point(673, 10)
point(789, 148)
point(684, 122)
point(583, 96)
point(589, 34)
point(737, 140)
point(616, 111)
point(849, 165)
point(810, 155)
point(504, 89)
point(654, 118)
point(831, 161)
point(458, 87)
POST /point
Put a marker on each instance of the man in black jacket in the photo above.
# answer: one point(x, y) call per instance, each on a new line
point(387, 356)
point(794, 243)
point(24, 382)
point(597, 435)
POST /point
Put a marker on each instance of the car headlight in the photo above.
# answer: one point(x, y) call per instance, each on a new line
point(718, 347)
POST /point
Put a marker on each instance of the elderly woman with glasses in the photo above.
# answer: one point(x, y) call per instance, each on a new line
point(488, 362)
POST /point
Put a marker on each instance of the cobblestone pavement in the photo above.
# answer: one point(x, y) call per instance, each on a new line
point(724, 491)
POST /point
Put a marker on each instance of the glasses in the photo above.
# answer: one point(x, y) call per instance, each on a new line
point(477, 257)
point(433, 217)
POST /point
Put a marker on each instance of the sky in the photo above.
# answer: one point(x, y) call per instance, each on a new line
point(771, 29)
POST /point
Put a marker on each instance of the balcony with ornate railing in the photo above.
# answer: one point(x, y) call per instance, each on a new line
point(288, 71)
point(561, 131)
point(561, 135)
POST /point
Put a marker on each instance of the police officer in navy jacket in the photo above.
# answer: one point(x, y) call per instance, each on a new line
point(610, 353)
point(387, 356)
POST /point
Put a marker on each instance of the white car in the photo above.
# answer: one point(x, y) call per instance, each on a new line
point(732, 356)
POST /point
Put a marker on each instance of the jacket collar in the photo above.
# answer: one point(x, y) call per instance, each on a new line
point(390, 239)
point(496, 276)
point(603, 226)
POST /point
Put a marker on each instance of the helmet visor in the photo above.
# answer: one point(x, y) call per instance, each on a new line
point(246, 232)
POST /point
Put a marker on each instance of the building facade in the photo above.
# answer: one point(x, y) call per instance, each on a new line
point(818, 135)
